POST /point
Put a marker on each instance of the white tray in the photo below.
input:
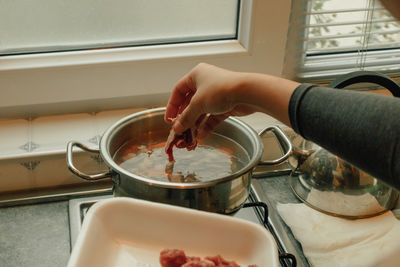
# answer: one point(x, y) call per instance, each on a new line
point(129, 232)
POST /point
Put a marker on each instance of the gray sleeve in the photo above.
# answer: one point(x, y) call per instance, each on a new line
point(362, 128)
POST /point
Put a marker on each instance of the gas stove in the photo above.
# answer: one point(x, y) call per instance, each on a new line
point(258, 209)
point(270, 186)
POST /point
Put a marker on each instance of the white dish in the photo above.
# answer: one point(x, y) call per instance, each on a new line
point(122, 232)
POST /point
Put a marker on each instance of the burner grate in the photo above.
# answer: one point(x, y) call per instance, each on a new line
point(284, 257)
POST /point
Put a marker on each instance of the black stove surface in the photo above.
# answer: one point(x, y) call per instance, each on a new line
point(257, 209)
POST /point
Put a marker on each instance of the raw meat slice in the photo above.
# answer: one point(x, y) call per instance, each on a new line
point(172, 258)
point(178, 258)
point(185, 140)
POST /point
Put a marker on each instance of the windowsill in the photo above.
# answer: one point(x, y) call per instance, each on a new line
point(50, 134)
point(32, 152)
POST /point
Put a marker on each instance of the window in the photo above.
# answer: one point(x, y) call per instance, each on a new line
point(332, 37)
point(60, 25)
point(62, 77)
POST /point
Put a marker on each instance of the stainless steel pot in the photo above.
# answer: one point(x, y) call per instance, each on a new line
point(222, 195)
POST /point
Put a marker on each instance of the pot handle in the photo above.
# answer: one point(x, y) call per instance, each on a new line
point(283, 139)
point(366, 77)
point(74, 170)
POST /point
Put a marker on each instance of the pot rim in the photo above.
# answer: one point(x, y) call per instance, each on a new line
point(115, 168)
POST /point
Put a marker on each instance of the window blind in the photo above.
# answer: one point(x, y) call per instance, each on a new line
point(332, 37)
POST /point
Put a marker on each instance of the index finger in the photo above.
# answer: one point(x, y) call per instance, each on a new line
point(180, 97)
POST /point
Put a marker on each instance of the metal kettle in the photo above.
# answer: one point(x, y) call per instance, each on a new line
point(328, 183)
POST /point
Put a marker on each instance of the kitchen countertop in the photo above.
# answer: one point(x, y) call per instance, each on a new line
point(39, 234)
point(35, 235)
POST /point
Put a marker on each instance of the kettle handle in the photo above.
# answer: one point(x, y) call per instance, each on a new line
point(366, 77)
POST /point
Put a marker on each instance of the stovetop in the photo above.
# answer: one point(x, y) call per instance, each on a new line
point(257, 209)
point(269, 187)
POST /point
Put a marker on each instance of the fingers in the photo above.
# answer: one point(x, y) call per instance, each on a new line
point(204, 123)
point(198, 93)
point(209, 124)
point(180, 97)
point(189, 118)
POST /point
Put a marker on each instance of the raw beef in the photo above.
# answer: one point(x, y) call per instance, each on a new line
point(185, 140)
point(219, 261)
point(172, 258)
point(178, 258)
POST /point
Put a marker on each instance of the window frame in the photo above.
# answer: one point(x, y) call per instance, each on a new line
point(92, 80)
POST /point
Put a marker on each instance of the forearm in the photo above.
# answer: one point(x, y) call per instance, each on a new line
point(361, 128)
point(268, 94)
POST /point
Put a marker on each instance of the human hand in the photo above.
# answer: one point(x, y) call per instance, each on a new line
point(204, 97)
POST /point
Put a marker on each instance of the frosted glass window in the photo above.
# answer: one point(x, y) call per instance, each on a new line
point(28, 26)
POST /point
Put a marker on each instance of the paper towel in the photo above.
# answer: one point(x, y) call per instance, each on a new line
point(332, 241)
